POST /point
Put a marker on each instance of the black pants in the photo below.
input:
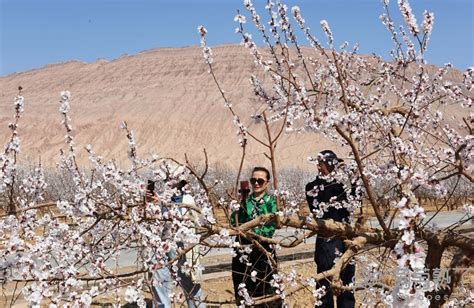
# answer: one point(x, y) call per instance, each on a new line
point(325, 254)
point(241, 273)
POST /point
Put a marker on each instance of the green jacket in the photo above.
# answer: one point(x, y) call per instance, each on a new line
point(254, 208)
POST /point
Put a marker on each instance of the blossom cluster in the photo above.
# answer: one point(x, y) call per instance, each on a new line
point(389, 120)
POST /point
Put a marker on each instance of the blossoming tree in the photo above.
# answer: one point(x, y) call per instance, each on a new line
point(389, 117)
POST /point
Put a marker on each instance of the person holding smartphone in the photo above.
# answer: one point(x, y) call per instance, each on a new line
point(189, 282)
point(250, 266)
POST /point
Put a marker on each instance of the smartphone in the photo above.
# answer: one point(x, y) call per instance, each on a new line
point(244, 189)
point(150, 187)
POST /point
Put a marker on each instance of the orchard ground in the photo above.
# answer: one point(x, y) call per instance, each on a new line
point(218, 286)
point(217, 281)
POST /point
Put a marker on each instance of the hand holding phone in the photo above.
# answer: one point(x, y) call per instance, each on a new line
point(150, 192)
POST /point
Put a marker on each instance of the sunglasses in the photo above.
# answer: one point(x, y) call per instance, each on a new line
point(260, 182)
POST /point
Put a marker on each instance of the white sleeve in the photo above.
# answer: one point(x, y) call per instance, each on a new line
point(188, 199)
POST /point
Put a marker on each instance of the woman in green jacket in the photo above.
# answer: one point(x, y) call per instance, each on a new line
point(250, 266)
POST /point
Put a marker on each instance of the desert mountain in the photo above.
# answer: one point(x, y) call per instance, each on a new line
point(167, 98)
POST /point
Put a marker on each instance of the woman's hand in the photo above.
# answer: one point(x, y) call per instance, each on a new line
point(151, 197)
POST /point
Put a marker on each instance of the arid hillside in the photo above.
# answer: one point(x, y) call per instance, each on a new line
point(167, 98)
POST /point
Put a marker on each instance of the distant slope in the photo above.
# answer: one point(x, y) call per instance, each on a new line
point(165, 95)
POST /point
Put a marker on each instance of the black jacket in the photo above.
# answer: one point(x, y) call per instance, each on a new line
point(327, 192)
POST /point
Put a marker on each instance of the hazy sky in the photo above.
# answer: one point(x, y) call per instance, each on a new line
point(38, 32)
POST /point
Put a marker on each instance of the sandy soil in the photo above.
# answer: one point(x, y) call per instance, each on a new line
point(166, 96)
point(220, 288)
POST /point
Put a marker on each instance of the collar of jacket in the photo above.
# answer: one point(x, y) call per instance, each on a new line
point(325, 179)
point(252, 205)
point(264, 198)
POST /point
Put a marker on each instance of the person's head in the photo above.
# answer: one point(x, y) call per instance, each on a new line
point(327, 161)
point(180, 185)
point(260, 180)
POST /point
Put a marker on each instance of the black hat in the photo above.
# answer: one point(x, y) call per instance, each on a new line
point(330, 157)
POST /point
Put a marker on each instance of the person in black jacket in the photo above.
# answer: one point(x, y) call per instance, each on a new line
point(325, 196)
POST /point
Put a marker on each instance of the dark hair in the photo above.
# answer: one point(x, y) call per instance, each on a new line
point(262, 169)
point(329, 159)
point(180, 185)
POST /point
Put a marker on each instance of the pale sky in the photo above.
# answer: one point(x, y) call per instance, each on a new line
point(35, 33)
